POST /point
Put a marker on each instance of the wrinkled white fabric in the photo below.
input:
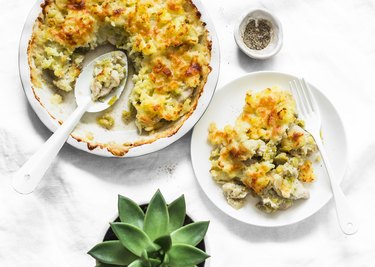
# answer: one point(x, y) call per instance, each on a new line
point(330, 43)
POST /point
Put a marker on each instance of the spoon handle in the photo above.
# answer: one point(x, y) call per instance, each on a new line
point(27, 178)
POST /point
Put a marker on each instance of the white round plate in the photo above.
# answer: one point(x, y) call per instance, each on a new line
point(225, 107)
point(50, 114)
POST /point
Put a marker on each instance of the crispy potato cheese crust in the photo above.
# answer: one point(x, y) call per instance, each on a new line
point(165, 39)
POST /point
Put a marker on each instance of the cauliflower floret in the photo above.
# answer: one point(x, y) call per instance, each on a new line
point(289, 187)
point(235, 194)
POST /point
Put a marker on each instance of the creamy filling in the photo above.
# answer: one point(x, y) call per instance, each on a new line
point(107, 75)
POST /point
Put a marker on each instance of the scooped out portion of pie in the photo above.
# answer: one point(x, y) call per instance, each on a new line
point(107, 75)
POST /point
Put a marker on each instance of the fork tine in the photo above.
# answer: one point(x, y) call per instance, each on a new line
point(300, 100)
point(314, 104)
point(306, 98)
point(295, 95)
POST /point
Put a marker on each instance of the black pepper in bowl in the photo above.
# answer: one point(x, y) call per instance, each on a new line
point(257, 34)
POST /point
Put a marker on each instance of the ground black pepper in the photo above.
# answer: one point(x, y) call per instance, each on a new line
point(257, 34)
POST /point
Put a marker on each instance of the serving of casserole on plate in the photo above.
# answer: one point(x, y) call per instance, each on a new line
point(267, 152)
point(174, 60)
point(250, 149)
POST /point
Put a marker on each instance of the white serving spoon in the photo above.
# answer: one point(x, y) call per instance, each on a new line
point(27, 178)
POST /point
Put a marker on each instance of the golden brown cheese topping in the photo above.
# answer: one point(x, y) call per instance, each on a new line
point(268, 114)
point(166, 40)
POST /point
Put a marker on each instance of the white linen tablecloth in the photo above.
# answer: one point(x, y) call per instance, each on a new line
point(330, 43)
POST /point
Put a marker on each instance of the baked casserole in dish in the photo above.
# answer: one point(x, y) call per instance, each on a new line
point(167, 42)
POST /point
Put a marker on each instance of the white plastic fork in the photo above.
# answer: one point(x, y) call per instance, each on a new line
point(309, 110)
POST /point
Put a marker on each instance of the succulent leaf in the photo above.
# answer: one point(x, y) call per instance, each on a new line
point(190, 234)
point(137, 263)
point(133, 238)
point(130, 212)
point(144, 255)
point(112, 252)
point(156, 218)
point(166, 260)
point(181, 255)
point(155, 262)
point(177, 213)
point(100, 264)
point(165, 242)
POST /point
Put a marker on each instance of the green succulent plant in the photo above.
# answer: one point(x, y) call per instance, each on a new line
point(152, 239)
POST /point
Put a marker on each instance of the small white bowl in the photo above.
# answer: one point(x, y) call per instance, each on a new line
point(276, 34)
